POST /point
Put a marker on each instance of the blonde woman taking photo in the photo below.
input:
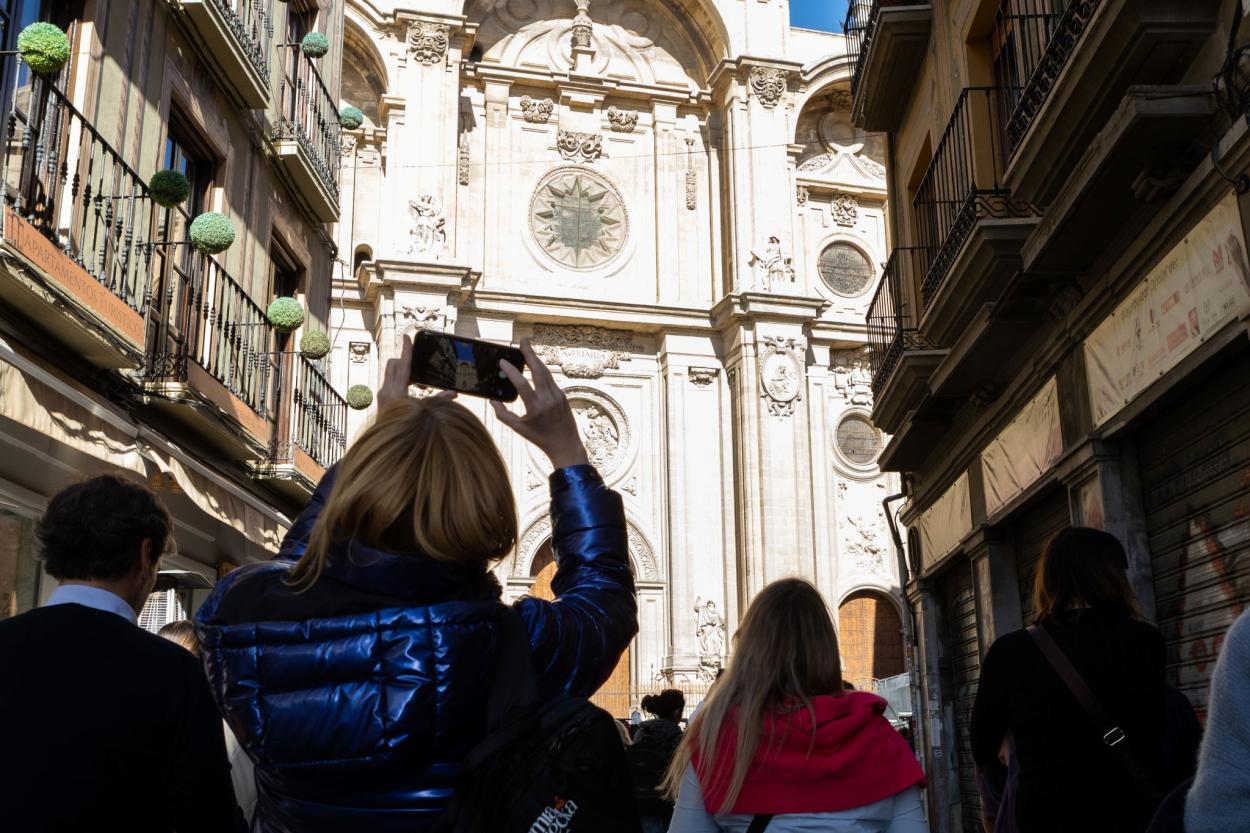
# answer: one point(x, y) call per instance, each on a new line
point(779, 746)
point(355, 668)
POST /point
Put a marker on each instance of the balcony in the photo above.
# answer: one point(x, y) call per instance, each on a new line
point(236, 37)
point(887, 40)
point(306, 136)
point(78, 220)
point(312, 428)
point(1050, 54)
point(969, 225)
point(901, 359)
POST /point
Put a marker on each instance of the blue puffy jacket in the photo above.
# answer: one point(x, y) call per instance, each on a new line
point(358, 698)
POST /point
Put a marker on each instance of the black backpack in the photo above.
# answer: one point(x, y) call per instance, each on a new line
point(554, 767)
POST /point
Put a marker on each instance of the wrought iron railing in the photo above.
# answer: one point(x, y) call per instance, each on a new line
point(891, 318)
point(308, 115)
point(860, 15)
point(963, 183)
point(63, 178)
point(1035, 40)
point(316, 414)
point(251, 23)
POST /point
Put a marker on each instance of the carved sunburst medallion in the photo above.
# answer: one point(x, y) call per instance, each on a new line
point(578, 219)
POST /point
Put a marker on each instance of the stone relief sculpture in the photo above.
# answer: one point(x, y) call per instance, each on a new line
point(774, 268)
point(711, 633)
point(845, 209)
point(692, 189)
point(768, 84)
point(537, 110)
point(428, 41)
point(578, 218)
point(582, 352)
point(462, 159)
point(840, 99)
point(359, 351)
point(622, 121)
point(842, 143)
point(801, 194)
point(422, 318)
point(781, 375)
point(429, 226)
point(866, 544)
point(852, 375)
point(599, 431)
point(582, 25)
point(579, 147)
point(702, 377)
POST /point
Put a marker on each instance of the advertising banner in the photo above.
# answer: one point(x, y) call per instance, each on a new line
point(1024, 451)
point(944, 524)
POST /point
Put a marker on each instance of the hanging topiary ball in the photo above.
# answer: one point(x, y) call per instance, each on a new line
point(314, 344)
point(43, 47)
point(314, 45)
point(359, 397)
point(169, 188)
point(285, 314)
point(212, 233)
point(351, 117)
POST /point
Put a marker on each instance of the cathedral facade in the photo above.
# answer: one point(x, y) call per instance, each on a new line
point(670, 201)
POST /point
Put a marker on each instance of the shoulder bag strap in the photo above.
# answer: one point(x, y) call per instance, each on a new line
point(759, 823)
point(1112, 735)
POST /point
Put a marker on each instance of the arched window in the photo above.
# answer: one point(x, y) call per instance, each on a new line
point(364, 76)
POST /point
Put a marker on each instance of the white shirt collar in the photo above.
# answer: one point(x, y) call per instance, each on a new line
point(93, 597)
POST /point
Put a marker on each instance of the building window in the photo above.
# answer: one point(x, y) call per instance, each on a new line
point(845, 269)
point(858, 440)
point(187, 153)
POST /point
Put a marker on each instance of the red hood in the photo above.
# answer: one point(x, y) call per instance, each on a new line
point(854, 757)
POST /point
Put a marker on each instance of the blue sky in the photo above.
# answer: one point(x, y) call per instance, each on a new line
point(825, 15)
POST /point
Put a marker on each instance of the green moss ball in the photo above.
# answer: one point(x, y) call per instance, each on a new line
point(351, 117)
point(359, 397)
point(314, 45)
point(314, 344)
point(43, 47)
point(212, 232)
point(285, 314)
point(169, 188)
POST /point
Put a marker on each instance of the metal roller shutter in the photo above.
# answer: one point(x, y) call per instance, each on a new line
point(964, 658)
point(1033, 531)
point(1195, 472)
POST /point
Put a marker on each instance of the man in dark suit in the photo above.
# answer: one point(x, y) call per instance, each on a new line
point(103, 725)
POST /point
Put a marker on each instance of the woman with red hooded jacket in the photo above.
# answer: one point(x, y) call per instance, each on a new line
point(779, 742)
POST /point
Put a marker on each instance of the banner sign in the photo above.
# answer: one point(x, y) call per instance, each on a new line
point(944, 524)
point(1024, 451)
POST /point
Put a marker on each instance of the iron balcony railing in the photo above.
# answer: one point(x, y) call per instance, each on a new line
point(891, 319)
point(1033, 42)
point(314, 415)
point(308, 115)
point(251, 23)
point(63, 178)
point(860, 15)
point(963, 183)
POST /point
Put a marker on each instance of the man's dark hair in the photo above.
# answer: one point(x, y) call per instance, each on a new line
point(95, 529)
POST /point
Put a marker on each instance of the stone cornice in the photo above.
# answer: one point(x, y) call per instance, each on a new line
point(560, 82)
point(739, 307)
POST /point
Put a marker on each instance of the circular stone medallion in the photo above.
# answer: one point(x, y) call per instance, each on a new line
point(780, 375)
point(578, 218)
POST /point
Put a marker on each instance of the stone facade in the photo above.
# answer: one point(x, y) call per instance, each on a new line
point(618, 182)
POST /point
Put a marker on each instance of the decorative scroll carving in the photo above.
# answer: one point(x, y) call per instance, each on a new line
point(845, 209)
point(702, 377)
point(429, 226)
point(582, 351)
point(801, 194)
point(537, 110)
point(428, 41)
point(422, 318)
point(579, 147)
point(768, 84)
point(692, 190)
point(774, 267)
point(781, 375)
point(622, 121)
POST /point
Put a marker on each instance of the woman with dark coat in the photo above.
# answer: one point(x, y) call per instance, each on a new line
point(1069, 779)
point(652, 750)
point(355, 668)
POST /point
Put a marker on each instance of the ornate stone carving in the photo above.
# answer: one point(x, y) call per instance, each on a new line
point(347, 145)
point(537, 110)
point(631, 485)
point(840, 99)
point(578, 219)
point(532, 480)
point(582, 351)
point(358, 351)
point(427, 42)
point(462, 159)
point(422, 318)
point(429, 226)
point(702, 377)
point(711, 635)
point(774, 268)
point(845, 209)
point(582, 25)
point(692, 189)
point(852, 375)
point(601, 433)
point(768, 84)
point(781, 375)
point(579, 147)
point(527, 547)
point(867, 544)
point(801, 194)
point(622, 121)
point(643, 555)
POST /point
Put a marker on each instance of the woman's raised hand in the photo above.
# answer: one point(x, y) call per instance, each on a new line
point(548, 420)
point(396, 377)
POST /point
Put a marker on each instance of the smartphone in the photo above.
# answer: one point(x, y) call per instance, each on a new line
point(465, 365)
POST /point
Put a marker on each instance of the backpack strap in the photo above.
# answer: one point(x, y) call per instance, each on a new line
point(516, 684)
point(760, 823)
point(1112, 735)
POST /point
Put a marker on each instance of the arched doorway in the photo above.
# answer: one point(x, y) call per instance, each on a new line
point(614, 696)
point(870, 634)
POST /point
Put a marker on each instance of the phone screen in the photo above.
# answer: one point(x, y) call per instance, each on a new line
point(465, 365)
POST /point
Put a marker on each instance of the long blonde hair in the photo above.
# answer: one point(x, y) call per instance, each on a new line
point(785, 653)
point(425, 477)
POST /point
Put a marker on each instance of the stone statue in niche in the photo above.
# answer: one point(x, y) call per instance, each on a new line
point(774, 268)
point(711, 632)
point(429, 226)
point(852, 375)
